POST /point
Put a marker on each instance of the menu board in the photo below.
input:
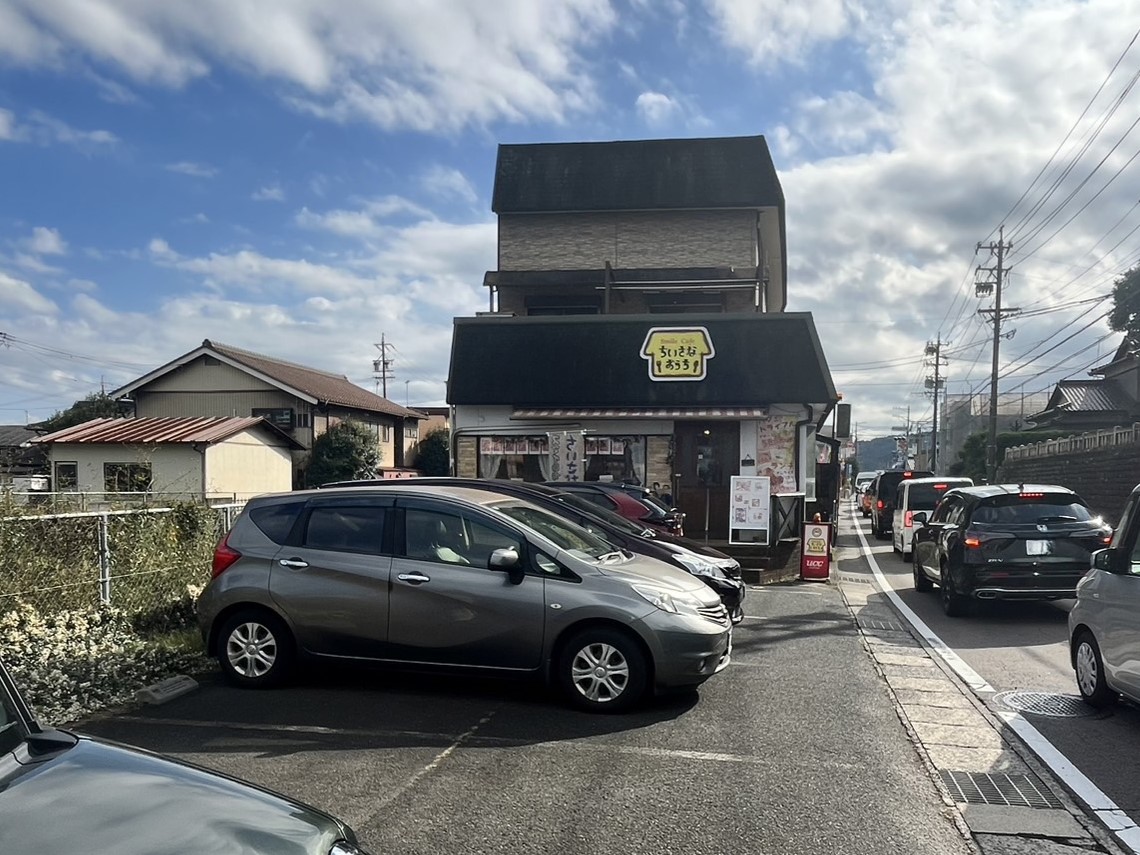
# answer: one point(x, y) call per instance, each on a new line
point(776, 452)
point(750, 509)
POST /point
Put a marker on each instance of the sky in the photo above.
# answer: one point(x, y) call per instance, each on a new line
point(301, 177)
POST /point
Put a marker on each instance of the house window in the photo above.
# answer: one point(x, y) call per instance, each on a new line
point(66, 477)
point(304, 420)
point(385, 433)
point(411, 429)
point(126, 477)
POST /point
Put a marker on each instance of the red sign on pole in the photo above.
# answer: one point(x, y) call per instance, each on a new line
point(815, 551)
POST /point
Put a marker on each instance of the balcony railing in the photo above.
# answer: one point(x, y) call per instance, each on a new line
point(1075, 444)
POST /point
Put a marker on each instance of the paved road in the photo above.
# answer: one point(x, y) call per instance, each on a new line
point(796, 748)
point(1024, 646)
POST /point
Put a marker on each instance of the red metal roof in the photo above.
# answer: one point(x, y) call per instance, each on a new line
point(159, 430)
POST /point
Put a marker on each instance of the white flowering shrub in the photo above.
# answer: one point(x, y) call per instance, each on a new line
point(73, 662)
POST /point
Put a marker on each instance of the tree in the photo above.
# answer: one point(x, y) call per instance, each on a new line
point(97, 405)
point(1125, 314)
point(345, 452)
point(433, 456)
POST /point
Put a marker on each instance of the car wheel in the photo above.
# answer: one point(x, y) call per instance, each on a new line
point(1090, 672)
point(904, 556)
point(953, 603)
point(921, 580)
point(255, 649)
point(602, 670)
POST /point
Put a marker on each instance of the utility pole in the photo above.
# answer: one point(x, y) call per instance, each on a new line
point(382, 365)
point(989, 280)
point(934, 352)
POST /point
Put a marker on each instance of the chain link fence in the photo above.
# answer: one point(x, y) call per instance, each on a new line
point(138, 561)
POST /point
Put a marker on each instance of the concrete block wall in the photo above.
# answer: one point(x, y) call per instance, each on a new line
point(1103, 477)
point(627, 239)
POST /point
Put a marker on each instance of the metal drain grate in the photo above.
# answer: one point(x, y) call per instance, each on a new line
point(878, 623)
point(858, 580)
point(1044, 703)
point(981, 788)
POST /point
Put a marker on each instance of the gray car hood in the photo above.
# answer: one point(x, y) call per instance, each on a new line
point(642, 570)
point(97, 798)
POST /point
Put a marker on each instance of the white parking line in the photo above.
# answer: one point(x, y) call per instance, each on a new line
point(1123, 826)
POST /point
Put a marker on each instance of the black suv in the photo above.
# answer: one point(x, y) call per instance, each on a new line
point(1005, 541)
point(883, 490)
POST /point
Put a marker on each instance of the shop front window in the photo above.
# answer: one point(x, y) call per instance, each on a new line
point(527, 458)
point(615, 458)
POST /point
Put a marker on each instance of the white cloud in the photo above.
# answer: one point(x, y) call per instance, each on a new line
point(365, 223)
point(770, 32)
point(425, 65)
point(445, 182)
point(656, 108)
point(269, 193)
point(7, 125)
point(195, 219)
point(196, 170)
point(45, 241)
point(16, 294)
point(42, 129)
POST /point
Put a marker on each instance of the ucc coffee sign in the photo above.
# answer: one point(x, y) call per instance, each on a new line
point(677, 353)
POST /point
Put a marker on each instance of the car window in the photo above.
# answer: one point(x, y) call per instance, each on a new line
point(900, 494)
point(599, 499)
point(923, 497)
point(345, 529)
point(1017, 509)
point(942, 511)
point(560, 532)
point(575, 501)
point(276, 521)
point(11, 728)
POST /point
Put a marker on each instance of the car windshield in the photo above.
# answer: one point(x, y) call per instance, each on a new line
point(619, 522)
point(1020, 509)
point(923, 497)
point(562, 533)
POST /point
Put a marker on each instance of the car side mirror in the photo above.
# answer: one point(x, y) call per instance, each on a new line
point(920, 518)
point(1107, 560)
point(508, 559)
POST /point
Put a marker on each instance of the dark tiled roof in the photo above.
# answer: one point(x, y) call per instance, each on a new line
point(1089, 396)
point(322, 385)
point(13, 436)
point(723, 172)
point(162, 430)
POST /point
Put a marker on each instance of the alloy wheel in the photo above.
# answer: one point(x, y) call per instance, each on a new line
point(1087, 670)
point(251, 649)
point(600, 672)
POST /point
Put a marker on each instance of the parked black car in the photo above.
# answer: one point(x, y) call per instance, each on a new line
point(1005, 541)
point(719, 571)
point(63, 792)
point(632, 502)
point(883, 490)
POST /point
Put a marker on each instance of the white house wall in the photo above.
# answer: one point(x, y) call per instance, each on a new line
point(175, 469)
point(245, 465)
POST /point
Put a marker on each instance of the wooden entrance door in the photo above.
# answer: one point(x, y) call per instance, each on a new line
point(707, 456)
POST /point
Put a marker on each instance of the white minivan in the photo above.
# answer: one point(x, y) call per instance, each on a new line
point(917, 494)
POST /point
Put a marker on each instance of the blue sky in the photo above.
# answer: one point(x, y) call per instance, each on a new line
point(298, 178)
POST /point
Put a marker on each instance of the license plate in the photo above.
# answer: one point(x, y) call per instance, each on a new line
point(1038, 547)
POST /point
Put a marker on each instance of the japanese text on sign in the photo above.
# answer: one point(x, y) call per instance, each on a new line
point(677, 353)
point(565, 455)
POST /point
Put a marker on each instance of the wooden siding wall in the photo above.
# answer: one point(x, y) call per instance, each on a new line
point(197, 376)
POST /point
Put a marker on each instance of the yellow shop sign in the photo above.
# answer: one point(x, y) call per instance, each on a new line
point(677, 353)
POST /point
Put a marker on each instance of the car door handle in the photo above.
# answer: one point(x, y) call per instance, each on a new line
point(417, 578)
point(293, 563)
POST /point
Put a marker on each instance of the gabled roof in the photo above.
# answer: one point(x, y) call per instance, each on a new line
point(1089, 396)
point(636, 175)
point(163, 430)
point(1125, 351)
point(309, 384)
point(14, 436)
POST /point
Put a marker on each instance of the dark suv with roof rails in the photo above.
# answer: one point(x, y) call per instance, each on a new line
point(1005, 542)
point(883, 490)
point(719, 571)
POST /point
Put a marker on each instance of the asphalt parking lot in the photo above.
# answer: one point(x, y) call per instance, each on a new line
point(795, 748)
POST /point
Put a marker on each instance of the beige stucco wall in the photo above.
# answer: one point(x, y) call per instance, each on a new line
point(246, 465)
point(197, 376)
point(176, 469)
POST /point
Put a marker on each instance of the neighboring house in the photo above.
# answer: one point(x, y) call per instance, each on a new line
point(639, 299)
point(19, 458)
point(1112, 400)
point(216, 380)
point(172, 459)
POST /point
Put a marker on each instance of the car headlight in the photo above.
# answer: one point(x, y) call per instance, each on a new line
point(667, 601)
point(343, 847)
point(698, 566)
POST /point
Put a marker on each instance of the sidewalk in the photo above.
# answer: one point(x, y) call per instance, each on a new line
point(1006, 799)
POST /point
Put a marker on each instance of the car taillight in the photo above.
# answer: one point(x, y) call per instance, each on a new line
point(224, 556)
point(1106, 540)
point(879, 505)
point(908, 520)
point(973, 543)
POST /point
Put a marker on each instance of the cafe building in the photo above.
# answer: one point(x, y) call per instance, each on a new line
point(638, 308)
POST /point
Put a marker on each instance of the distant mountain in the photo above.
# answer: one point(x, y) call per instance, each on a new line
point(876, 453)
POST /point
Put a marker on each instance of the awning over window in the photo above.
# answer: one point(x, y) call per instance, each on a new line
point(685, 413)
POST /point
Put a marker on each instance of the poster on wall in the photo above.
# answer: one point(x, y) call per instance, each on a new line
point(776, 452)
point(750, 509)
point(566, 455)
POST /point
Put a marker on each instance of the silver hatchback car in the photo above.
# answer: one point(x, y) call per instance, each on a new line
point(1104, 625)
point(454, 577)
